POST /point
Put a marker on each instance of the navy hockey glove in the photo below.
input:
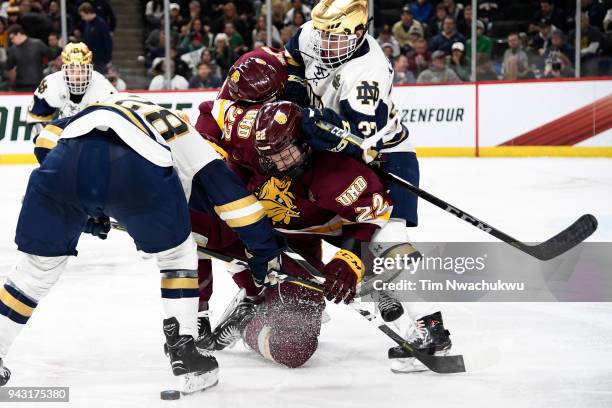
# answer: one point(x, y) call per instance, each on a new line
point(322, 139)
point(342, 274)
point(98, 227)
point(265, 272)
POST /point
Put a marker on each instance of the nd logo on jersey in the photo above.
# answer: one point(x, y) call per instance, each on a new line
point(277, 200)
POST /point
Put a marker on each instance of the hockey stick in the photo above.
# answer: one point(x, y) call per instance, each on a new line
point(438, 364)
point(573, 235)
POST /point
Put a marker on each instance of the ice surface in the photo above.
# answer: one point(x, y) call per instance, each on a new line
point(99, 330)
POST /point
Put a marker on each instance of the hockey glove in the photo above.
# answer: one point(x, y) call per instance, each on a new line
point(5, 374)
point(98, 227)
point(342, 274)
point(265, 273)
point(322, 139)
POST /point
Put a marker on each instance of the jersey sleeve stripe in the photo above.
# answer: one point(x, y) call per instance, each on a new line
point(237, 204)
point(242, 212)
point(45, 143)
point(40, 118)
point(246, 220)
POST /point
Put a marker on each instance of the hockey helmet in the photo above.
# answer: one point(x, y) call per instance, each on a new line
point(77, 67)
point(254, 80)
point(279, 140)
point(339, 30)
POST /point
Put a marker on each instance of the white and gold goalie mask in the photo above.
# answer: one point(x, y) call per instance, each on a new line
point(77, 67)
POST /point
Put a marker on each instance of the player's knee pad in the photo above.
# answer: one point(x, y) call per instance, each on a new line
point(35, 275)
point(183, 256)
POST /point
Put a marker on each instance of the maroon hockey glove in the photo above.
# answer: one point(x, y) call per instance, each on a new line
point(342, 274)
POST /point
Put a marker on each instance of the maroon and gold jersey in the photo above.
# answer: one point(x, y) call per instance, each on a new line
point(335, 195)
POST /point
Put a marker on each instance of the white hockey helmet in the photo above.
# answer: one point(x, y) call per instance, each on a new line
point(77, 67)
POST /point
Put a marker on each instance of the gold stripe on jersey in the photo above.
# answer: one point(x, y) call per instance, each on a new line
point(179, 283)
point(45, 143)
point(126, 112)
point(246, 220)
point(11, 302)
point(40, 117)
point(291, 60)
point(236, 205)
point(219, 150)
point(56, 130)
point(218, 112)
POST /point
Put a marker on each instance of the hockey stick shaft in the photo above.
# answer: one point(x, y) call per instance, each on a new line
point(560, 243)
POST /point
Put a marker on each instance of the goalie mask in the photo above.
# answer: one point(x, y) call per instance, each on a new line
point(77, 67)
point(339, 30)
point(279, 139)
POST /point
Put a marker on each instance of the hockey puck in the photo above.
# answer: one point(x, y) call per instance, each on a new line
point(170, 395)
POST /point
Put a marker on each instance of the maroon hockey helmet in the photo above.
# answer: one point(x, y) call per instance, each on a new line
point(254, 80)
point(279, 140)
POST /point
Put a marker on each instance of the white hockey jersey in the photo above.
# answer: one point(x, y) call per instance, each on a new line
point(52, 97)
point(157, 134)
point(360, 89)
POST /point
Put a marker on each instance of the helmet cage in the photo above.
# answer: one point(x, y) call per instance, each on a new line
point(333, 49)
point(77, 77)
point(289, 161)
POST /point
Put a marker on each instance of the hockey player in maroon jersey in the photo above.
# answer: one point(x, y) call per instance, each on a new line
point(308, 198)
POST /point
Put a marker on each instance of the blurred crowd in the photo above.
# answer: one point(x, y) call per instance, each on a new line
point(30, 39)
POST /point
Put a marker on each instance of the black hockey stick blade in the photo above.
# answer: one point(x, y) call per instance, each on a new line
point(563, 241)
point(437, 364)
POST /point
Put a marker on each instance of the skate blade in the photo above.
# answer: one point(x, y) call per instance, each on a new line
point(412, 365)
point(195, 382)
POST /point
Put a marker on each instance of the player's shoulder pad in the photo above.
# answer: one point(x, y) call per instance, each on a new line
point(52, 89)
point(100, 84)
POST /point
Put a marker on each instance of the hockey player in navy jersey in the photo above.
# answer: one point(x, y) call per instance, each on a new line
point(139, 163)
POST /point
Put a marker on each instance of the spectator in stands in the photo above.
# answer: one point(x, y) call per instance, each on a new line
point(453, 8)
point(114, 78)
point(514, 69)
point(464, 23)
point(560, 67)
point(223, 54)
point(297, 6)
point(229, 16)
point(484, 68)
point(421, 10)
point(156, 38)
point(204, 78)
point(55, 16)
point(285, 35)
point(154, 11)
point(607, 22)
point(515, 56)
point(553, 13)
point(388, 51)
point(26, 59)
point(385, 37)
point(401, 28)
point(458, 62)
point(278, 14)
point(55, 49)
point(595, 10)
point(484, 44)
point(487, 11)
point(540, 40)
point(415, 34)
point(591, 38)
point(419, 59)
point(190, 43)
point(4, 37)
point(296, 23)
point(177, 82)
point(434, 27)
point(557, 45)
point(401, 73)
point(438, 70)
point(102, 9)
point(36, 25)
point(259, 32)
point(176, 20)
point(235, 39)
point(449, 35)
point(96, 34)
point(207, 58)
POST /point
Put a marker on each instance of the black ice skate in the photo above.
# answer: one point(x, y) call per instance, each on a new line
point(205, 338)
point(196, 370)
point(233, 322)
point(5, 374)
point(390, 308)
point(430, 336)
